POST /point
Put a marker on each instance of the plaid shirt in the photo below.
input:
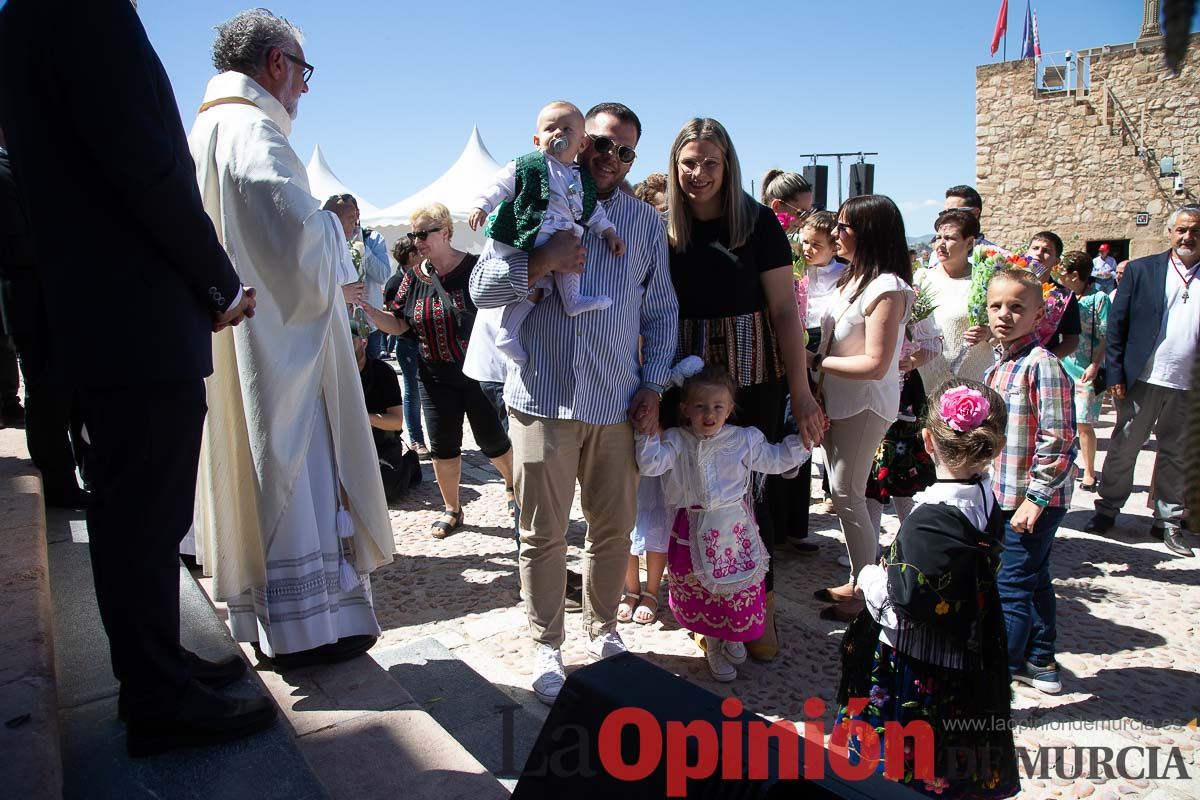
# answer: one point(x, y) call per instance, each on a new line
point(1039, 454)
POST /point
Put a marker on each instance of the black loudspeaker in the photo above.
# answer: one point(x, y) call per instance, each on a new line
point(583, 751)
point(862, 179)
point(817, 176)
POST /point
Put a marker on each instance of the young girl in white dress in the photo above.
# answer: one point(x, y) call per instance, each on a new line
point(716, 562)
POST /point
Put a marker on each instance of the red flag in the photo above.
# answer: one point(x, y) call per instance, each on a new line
point(1001, 26)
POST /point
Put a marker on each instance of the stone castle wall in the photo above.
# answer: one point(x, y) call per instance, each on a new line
point(1067, 164)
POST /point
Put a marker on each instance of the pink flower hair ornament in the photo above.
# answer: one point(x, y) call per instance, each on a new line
point(963, 408)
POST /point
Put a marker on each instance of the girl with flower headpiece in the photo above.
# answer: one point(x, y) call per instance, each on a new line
point(930, 645)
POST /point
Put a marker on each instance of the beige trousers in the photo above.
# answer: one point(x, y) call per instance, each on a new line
point(850, 445)
point(549, 455)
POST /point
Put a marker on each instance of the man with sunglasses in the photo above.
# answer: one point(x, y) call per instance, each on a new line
point(577, 401)
point(283, 471)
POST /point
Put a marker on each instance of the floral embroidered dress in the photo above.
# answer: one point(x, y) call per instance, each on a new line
point(931, 647)
point(716, 561)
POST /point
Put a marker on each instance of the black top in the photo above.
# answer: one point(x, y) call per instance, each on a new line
point(381, 389)
point(443, 332)
point(133, 303)
point(393, 283)
point(712, 281)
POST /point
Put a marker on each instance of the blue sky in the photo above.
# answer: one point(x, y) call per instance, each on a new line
point(399, 85)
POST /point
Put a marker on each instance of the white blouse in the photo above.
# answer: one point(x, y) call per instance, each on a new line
point(846, 397)
point(950, 312)
point(714, 472)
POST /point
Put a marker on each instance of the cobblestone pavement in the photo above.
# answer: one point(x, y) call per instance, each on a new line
point(1128, 630)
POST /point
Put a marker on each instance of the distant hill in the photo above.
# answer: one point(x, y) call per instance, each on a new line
point(920, 239)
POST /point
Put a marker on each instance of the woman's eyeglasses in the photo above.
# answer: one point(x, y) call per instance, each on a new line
point(604, 145)
point(422, 235)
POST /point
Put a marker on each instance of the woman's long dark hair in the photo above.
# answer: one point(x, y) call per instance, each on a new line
point(879, 242)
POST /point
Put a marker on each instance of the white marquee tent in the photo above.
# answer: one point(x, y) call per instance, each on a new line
point(324, 184)
point(456, 189)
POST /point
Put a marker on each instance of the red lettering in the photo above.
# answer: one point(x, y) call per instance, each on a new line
point(866, 746)
point(679, 771)
point(784, 732)
point(731, 740)
point(920, 733)
point(649, 749)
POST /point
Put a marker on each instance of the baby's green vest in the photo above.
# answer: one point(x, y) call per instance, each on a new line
point(517, 221)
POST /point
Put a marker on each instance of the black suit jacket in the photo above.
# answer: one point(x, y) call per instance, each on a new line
point(19, 298)
point(129, 261)
point(1135, 319)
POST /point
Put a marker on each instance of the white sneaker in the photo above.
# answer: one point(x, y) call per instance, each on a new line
point(718, 664)
point(734, 652)
point(844, 560)
point(548, 673)
point(606, 645)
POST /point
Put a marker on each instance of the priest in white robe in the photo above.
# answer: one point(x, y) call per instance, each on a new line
point(290, 510)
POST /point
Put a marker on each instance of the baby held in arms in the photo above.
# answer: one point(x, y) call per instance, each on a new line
point(535, 196)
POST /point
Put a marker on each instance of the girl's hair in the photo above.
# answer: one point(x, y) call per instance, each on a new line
point(780, 185)
point(1079, 263)
point(964, 221)
point(822, 221)
point(879, 242)
point(738, 209)
point(651, 185)
point(711, 376)
point(967, 448)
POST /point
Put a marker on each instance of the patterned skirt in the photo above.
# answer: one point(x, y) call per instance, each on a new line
point(738, 617)
point(966, 763)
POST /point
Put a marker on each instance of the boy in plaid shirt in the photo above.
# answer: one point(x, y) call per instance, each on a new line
point(1035, 473)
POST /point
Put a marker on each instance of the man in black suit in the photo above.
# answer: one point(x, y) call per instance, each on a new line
point(95, 138)
point(1153, 329)
point(48, 415)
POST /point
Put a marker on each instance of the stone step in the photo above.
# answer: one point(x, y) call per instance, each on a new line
point(368, 738)
point(267, 765)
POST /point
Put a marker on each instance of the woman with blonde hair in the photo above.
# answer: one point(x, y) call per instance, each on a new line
point(731, 266)
point(434, 300)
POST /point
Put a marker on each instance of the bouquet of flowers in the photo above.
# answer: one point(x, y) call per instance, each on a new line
point(921, 332)
point(1056, 300)
point(985, 261)
point(356, 256)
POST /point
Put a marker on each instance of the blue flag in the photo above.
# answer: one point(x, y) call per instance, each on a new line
point(1027, 46)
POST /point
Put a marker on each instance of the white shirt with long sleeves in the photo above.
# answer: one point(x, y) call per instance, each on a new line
point(714, 472)
point(564, 210)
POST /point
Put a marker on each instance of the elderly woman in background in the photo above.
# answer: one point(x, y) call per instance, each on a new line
point(434, 301)
point(731, 265)
point(965, 351)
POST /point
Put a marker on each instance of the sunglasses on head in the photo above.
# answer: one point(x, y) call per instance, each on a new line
point(604, 145)
point(422, 235)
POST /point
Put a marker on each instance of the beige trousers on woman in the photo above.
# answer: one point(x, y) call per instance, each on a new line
point(850, 445)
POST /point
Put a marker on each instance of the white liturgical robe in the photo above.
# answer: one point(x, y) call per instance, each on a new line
point(287, 441)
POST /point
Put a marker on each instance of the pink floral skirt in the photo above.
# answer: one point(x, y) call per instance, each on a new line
point(738, 617)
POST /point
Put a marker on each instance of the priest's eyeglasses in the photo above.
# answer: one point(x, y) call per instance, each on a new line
point(422, 235)
point(308, 68)
point(604, 145)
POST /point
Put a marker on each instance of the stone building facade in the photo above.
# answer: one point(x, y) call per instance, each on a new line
point(1084, 160)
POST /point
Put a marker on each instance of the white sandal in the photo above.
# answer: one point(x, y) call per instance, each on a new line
point(625, 608)
point(642, 604)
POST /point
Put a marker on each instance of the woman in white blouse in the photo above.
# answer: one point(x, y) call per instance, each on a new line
point(862, 327)
point(965, 351)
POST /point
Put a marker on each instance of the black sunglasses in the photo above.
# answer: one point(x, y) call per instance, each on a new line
point(422, 235)
point(605, 145)
point(308, 68)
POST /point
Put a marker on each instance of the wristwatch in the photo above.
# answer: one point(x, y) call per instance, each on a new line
point(1037, 499)
point(654, 387)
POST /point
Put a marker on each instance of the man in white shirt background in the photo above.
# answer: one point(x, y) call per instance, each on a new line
point(1153, 329)
point(1104, 270)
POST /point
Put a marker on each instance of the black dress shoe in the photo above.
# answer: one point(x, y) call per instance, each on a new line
point(1156, 531)
point(343, 649)
point(213, 674)
point(842, 612)
point(216, 674)
point(1099, 523)
point(203, 718)
point(1173, 539)
point(574, 580)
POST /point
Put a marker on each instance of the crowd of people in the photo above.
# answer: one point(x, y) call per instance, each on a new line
point(675, 351)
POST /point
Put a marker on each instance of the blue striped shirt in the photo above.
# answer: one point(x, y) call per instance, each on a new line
point(586, 368)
